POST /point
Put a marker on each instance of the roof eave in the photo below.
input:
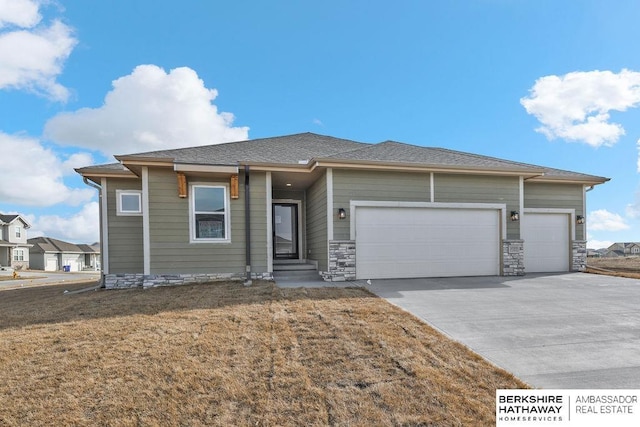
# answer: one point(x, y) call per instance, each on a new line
point(425, 167)
point(590, 180)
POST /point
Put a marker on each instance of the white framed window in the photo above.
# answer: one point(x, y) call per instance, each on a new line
point(18, 231)
point(18, 254)
point(128, 202)
point(209, 213)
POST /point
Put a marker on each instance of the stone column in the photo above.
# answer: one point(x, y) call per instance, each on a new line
point(342, 261)
point(513, 257)
point(579, 255)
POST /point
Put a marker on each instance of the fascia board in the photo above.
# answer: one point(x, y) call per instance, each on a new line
point(428, 168)
point(190, 167)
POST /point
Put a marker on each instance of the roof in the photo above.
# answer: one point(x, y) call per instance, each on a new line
point(8, 219)
point(47, 244)
point(306, 150)
point(290, 149)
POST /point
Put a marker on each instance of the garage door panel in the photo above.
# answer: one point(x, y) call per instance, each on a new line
point(546, 242)
point(426, 242)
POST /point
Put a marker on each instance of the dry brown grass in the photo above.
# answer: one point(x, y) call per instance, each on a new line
point(620, 267)
point(224, 354)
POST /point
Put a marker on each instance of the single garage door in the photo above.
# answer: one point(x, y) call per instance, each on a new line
point(546, 242)
point(52, 264)
point(403, 242)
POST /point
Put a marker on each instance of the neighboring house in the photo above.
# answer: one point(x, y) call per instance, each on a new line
point(352, 210)
point(53, 255)
point(597, 253)
point(14, 249)
point(619, 249)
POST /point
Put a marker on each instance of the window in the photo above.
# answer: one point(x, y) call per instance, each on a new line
point(209, 213)
point(18, 254)
point(18, 231)
point(129, 202)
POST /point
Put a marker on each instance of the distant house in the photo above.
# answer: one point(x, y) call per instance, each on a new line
point(622, 249)
point(14, 249)
point(54, 255)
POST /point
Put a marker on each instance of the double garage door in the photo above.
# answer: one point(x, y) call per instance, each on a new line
point(405, 242)
point(396, 242)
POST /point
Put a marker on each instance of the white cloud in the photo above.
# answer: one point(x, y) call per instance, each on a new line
point(32, 56)
point(148, 110)
point(22, 13)
point(33, 175)
point(607, 221)
point(81, 227)
point(576, 106)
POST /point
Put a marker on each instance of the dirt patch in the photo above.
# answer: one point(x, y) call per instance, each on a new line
point(225, 354)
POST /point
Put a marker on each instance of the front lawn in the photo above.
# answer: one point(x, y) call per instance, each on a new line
point(225, 354)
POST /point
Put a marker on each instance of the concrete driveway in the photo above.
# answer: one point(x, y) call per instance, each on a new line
point(571, 331)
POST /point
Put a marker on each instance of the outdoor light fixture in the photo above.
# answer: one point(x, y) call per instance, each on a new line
point(515, 216)
point(580, 219)
point(342, 214)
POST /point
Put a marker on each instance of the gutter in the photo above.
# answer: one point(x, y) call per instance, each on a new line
point(102, 251)
point(247, 226)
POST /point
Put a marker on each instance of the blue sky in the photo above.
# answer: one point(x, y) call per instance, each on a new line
point(554, 83)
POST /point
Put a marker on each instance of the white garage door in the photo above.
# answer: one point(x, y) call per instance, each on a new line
point(397, 242)
point(546, 242)
point(52, 264)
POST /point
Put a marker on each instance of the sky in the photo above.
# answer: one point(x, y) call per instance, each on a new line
point(546, 82)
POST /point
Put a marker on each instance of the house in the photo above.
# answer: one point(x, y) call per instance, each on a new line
point(622, 249)
point(14, 249)
point(351, 210)
point(54, 255)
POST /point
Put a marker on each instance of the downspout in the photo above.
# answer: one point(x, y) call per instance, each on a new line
point(247, 227)
point(99, 188)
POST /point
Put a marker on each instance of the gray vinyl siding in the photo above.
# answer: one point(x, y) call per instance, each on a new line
point(452, 188)
point(556, 196)
point(374, 185)
point(170, 248)
point(316, 220)
point(125, 232)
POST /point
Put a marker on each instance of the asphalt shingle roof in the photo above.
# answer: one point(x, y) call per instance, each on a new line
point(290, 149)
point(303, 147)
point(7, 218)
point(47, 244)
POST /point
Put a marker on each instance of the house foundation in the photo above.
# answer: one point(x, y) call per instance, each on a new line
point(139, 280)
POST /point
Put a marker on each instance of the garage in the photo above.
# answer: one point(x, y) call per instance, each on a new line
point(405, 242)
point(546, 242)
point(52, 264)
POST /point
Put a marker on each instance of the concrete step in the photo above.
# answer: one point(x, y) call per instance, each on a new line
point(293, 267)
point(297, 276)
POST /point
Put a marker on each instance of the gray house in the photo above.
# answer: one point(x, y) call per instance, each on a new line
point(54, 255)
point(622, 249)
point(14, 249)
point(347, 209)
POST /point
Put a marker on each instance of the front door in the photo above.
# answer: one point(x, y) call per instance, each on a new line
point(285, 231)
